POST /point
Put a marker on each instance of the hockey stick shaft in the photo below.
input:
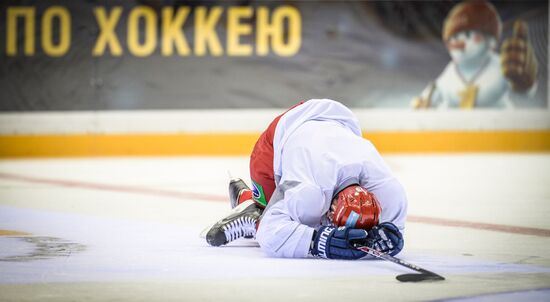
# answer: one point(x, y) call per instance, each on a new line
point(395, 260)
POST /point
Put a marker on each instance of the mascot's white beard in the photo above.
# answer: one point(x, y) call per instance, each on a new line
point(472, 53)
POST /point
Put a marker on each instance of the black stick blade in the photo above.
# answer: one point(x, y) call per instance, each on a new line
point(419, 277)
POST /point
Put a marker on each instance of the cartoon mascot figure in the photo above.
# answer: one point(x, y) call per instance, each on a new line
point(477, 76)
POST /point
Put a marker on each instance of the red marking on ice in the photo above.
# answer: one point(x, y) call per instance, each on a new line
point(210, 197)
point(114, 188)
point(480, 225)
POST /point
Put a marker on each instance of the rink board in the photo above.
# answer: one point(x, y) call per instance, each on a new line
point(230, 132)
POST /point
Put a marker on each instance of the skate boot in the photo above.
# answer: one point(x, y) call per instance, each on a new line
point(239, 192)
point(241, 223)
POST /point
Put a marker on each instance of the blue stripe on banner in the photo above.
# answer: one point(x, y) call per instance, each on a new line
point(352, 219)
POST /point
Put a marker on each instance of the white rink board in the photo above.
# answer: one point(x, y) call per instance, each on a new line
point(255, 120)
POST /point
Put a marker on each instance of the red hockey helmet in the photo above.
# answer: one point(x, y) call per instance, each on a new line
point(355, 207)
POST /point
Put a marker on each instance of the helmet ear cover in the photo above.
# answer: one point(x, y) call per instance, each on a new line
point(355, 207)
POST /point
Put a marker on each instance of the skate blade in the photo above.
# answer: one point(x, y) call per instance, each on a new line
point(236, 209)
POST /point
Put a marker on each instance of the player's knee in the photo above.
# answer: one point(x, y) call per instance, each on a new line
point(265, 242)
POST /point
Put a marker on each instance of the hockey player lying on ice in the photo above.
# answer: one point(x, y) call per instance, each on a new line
point(318, 187)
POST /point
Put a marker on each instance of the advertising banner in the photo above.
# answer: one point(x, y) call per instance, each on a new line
point(162, 55)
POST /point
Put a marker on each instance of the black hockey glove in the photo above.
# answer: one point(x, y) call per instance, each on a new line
point(337, 243)
point(385, 238)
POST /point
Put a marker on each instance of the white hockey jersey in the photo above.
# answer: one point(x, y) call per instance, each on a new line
point(318, 151)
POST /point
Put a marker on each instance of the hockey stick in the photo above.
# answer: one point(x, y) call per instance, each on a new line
point(424, 275)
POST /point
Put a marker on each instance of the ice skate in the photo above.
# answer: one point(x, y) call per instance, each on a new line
point(238, 192)
point(241, 223)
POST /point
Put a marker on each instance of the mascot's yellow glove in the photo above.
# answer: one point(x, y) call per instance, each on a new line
point(518, 61)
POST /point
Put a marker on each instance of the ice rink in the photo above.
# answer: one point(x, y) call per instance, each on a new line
point(127, 229)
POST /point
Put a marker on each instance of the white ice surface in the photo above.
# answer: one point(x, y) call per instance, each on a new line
point(142, 237)
point(125, 250)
